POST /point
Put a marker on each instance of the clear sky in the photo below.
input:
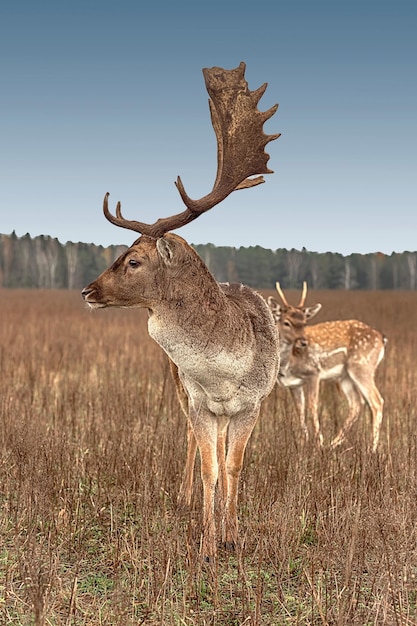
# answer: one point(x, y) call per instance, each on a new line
point(101, 96)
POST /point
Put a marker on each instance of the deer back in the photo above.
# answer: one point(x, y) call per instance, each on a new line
point(349, 342)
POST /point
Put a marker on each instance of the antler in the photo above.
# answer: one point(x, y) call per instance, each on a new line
point(281, 294)
point(238, 125)
point(303, 295)
point(284, 299)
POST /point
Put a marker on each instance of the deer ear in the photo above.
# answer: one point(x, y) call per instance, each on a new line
point(275, 308)
point(166, 250)
point(311, 311)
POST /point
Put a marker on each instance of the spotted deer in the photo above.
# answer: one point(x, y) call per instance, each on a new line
point(221, 339)
point(346, 351)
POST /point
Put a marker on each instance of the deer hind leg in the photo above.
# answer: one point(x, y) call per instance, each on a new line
point(298, 396)
point(186, 488)
point(240, 429)
point(355, 402)
point(370, 392)
point(377, 408)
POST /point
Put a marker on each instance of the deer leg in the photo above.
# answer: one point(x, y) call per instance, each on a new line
point(355, 401)
point(205, 431)
point(375, 401)
point(377, 407)
point(312, 393)
point(186, 488)
point(221, 460)
point(298, 396)
point(240, 430)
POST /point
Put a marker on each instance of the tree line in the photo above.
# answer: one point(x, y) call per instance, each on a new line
point(44, 262)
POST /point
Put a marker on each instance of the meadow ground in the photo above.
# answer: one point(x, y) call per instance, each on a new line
point(92, 448)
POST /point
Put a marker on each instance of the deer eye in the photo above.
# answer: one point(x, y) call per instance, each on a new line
point(287, 324)
point(134, 263)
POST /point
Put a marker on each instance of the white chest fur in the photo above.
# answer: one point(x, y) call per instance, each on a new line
point(213, 375)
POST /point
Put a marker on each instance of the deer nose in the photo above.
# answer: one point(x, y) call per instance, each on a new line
point(301, 342)
point(85, 292)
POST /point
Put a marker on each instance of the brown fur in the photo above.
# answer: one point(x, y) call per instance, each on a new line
point(223, 346)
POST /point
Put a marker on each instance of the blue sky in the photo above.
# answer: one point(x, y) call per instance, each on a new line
point(99, 96)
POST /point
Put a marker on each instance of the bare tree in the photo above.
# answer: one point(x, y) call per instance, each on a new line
point(71, 253)
point(412, 269)
point(348, 274)
point(294, 260)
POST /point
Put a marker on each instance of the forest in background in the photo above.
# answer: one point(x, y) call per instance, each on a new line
point(43, 262)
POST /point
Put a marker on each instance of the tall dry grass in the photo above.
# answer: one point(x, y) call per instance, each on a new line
point(92, 447)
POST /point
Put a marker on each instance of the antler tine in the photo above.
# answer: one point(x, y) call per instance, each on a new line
point(303, 295)
point(281, 293)
point(241, 157)
point(119, 220)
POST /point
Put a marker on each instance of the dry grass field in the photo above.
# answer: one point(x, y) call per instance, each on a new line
point(92, 448)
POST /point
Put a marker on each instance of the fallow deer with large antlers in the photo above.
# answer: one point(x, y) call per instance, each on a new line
point(346, 351)
point(221, 339)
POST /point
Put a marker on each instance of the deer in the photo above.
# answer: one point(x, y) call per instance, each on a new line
point(221, 339)
point(346, 351)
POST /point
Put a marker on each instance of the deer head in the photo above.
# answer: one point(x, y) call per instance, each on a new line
point(238, 126)
point(291, 319)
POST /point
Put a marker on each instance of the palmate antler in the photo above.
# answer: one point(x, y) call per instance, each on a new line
point(240, 149)
point(284, 299)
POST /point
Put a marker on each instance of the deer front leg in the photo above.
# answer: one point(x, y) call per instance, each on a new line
point(240, 429)
point(186, 488)
point(298, 396)
point(312, 392)
point(205, 431)
point(221, 460)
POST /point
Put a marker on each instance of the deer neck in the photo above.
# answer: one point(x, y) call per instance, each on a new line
point(187, 315)
point(285, 352)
